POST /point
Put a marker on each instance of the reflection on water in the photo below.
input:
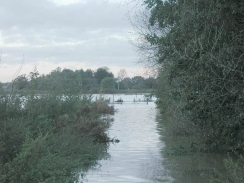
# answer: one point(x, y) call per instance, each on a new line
point(197, 167)
point(137, 157)
point(141, 155)
point(186, 166)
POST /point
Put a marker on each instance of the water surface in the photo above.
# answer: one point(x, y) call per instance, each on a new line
point(137, 157)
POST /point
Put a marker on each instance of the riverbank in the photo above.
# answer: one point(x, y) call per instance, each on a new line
point(48, 139)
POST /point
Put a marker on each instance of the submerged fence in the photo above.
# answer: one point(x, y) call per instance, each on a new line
point(128, 99)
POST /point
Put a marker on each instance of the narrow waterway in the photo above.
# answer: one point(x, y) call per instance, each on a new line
point(137, 157)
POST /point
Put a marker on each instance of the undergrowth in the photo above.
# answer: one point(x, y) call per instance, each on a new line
point(191, 158)
point(51, 138)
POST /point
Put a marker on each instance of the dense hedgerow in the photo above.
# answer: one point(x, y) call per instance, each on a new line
point(198, 46)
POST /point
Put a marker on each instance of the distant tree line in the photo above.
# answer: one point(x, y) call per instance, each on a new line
point(88, 81)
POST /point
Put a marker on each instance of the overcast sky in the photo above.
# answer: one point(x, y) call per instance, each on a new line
point(71, 34)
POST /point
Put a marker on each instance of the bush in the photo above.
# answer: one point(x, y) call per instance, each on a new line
point(199, 44)
point(198, 48)
point(51, 138)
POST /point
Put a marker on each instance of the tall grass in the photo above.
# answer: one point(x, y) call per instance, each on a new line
point(52, 137)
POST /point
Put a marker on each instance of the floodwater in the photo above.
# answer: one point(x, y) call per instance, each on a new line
point(137, 157)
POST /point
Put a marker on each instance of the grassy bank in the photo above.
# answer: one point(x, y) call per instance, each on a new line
point(50, 138)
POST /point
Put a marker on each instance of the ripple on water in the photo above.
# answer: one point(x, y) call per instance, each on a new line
point(136, 158)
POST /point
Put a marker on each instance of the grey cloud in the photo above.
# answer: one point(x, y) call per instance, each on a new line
point(46, 29)
point(43, 14)
point(43, 19)
point(113, 52)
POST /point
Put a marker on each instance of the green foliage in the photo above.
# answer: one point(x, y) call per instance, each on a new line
point(150, 83)
point(102, 73)
point(69, 82)
point(21, 82)
point(51, 138)
point(107, 85)
point(63, 82)
point(198, 46)
point(235, 168)
point(126, 83)
point(201, 48)
point(137, 82)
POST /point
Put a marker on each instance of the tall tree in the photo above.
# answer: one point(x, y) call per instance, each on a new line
point(101, 73)
point(89, 73)
point(137, 82)
point(126, 83)
point(121, 75)
point(107, 84)
point(21, 82)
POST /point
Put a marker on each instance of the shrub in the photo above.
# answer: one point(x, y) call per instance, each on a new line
point(51, 138)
